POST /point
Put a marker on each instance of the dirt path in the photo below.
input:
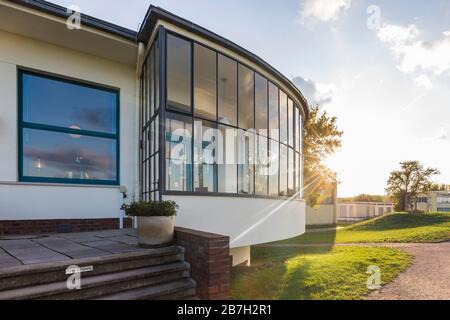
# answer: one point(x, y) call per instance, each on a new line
point(428, 278)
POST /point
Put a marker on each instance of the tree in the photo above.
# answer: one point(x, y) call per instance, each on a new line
point(322, 139)
point(405, 184)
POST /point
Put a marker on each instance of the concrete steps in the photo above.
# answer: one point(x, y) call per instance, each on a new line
point(147, 274)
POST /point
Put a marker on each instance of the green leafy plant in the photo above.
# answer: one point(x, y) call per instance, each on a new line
point(150, 209)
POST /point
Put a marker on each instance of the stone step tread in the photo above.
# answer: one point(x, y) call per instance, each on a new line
point(109, 259)
point(53, 289)
point(153, 292)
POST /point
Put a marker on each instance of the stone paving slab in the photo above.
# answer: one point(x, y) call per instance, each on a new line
point(18, 244)
point(125, 239)
point(113, 246)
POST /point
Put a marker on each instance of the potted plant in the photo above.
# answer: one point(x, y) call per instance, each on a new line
point(155, 221)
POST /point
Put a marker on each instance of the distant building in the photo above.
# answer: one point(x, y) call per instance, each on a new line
point(363, 210)
point(434, 201)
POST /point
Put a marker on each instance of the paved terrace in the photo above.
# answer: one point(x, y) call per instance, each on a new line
point(22, 250)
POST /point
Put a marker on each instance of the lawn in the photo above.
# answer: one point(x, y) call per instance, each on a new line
point(398, 227)
point(314, 273)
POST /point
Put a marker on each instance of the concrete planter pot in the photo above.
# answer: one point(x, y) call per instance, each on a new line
point(154, 232)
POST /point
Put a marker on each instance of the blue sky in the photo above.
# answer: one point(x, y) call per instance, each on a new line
point(387, 85)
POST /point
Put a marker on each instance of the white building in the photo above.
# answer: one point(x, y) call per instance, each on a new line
point(87, 115)
point(355, 211)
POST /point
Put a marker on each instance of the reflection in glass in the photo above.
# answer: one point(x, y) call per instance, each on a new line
point(261, 107)
point(273, 111)
point(283, 170)
point(297, 129)
point(178, 73)
point(261, 173)
point(69, 105)
point(157, 74)
point(63, 156)
point(178, 153)
point(246, 160)
point(227, 159)
point(291, 172)
point(290, 123)
point(246, 98)
point(205, 156)
point(205, 82)
point(283, 117)
point(227, 85)
point(274, 162)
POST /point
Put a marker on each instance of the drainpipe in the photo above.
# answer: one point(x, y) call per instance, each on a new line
point(139, 63)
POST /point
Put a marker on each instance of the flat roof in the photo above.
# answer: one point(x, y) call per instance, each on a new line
point(86, 20)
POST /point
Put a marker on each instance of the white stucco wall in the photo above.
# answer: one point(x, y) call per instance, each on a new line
point(247, 221)
point(25, 201)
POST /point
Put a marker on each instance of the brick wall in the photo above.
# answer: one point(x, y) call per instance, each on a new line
point(210, 260)
point(29, 227)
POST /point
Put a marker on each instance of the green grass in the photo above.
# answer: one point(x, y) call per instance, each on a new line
point(314, 273)
point(398, 227)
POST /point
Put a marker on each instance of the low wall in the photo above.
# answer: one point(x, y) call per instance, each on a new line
point(29, 227)
point(323, 215)
point(210, 260)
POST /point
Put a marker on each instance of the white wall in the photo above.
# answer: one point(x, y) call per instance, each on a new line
point(22, 201)
point(324, 215)
point(247, 221)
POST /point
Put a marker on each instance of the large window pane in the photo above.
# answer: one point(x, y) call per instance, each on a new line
point(48, 154)
point(246, 98)
point(205, 82)
point(283, 117)
point(227, 159)
point(291, 172)
point(178, 153)
point(227, 85)
point(152, 81)
point(178, 73)
point(262, 169)
point(283, 170)
point(273, 112)
point(65, 104)
point(261, 106)
point(156, 74)
point(297, 129)
point(246, 160)
point(205, 153)
point(274, 163)
point(291, 123)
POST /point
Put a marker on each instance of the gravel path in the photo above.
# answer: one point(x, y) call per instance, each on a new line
point(428, 278)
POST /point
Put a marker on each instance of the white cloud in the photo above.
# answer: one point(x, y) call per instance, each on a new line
point(316, 93)
point(424, 82)
point(324, 10)
point(414, 54)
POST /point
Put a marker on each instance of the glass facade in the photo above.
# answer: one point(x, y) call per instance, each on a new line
point(228, 129)
point(68, 131)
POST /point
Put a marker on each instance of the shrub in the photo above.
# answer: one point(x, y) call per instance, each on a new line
point(151, 209)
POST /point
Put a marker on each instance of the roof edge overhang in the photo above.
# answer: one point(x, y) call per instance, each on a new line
point(86, 20)
point(156, 13)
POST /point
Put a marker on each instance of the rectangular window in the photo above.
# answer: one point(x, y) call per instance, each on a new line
point(227, 159)
point(178, 152)
point(297, 129)
point(274, 112)
point(246, 156)
point(69, 131)
point(152, 81)
point(291, 123)
point(283, 170)
point(205, 156)
point(227, 85)
point(283, 117)
point(246, 98)
point(205, 82)
point(261, 106)
point(262, 169)
point(291, 172)
point(178, 73)
point(274, 167)
point(156, 74)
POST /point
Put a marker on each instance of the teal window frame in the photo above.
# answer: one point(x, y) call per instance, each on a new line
point(49, 128)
